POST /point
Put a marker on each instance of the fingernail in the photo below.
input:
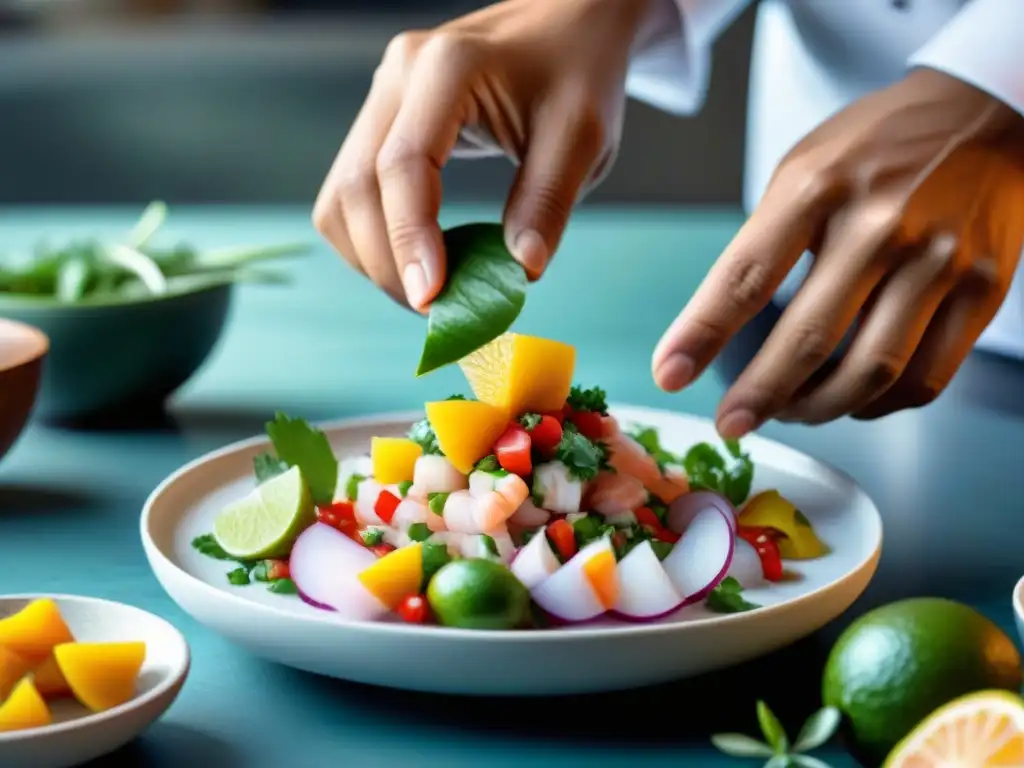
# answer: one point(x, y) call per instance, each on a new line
point(735, 424)
point(675, 372)
point(531, 251)
point(414, 280)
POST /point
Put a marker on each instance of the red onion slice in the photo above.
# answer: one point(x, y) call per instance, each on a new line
point(701, 558)
point(683, 510)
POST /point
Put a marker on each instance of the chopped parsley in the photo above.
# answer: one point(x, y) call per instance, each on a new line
point(283, 587)
point(727, 597)
point(489, 544)
point(488, 464)
point(352, 486)
point(207, 545)
point(708, 470)
point(266, 466)
point(529, 421)
point(587, 529)
point(435, 502)
point(300, 445)
point(593, 399)
point(419, 532)
point(582, 457)
point(239, 576)
point(372, 536)
point(403, 488)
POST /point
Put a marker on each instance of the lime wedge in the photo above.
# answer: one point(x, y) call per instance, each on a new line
point(267, 521)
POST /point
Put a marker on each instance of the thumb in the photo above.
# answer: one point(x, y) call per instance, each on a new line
point(558, 162)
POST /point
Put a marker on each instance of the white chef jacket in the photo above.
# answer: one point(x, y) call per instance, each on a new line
point(813, 57)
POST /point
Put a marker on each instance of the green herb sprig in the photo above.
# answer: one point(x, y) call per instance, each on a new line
point(816, 732)
point(96, 270)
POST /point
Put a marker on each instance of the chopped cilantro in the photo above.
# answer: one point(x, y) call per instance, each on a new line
point(403, 488)
point(300, 445)
point(266, 466)
point(456, 397)
point(419, 532)
point(207, 545)
point(727, 597)
point(352, 486)
point(435, 502)
point(530, 421)
point(239, 576)
point(707, 470)
point(593, 399)
point(488, 464)
point(587, 529)
point(283, 587)
point(582, 458)
point(648, 439)
point(435, 556)
point(490, 545)
point(372, 536)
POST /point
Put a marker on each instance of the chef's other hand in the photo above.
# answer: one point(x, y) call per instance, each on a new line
point(542, 82)
point(910, 200)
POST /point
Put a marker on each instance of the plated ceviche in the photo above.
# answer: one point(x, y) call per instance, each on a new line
point(525, 505)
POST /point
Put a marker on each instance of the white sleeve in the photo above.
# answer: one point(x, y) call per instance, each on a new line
point(982, 45)
point(672, 63)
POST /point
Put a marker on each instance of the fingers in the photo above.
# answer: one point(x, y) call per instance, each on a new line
point(816, 321)
point(568, 142)
point(348, 211)
point(740, 284)
point(888, 335)
point(410, 161)
point(949, 338)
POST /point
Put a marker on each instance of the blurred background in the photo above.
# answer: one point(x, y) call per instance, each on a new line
point(196, 101)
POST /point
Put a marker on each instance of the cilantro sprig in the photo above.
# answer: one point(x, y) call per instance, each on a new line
point(816, 732)
point(727, 597)
point(582, 457)
point(299, 444)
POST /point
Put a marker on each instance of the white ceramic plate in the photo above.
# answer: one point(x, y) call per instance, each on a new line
point(594, 657)
point(76, 735)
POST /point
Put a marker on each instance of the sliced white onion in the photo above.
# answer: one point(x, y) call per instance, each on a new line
point(701, 558)
point(567, 594)
point(535, 561)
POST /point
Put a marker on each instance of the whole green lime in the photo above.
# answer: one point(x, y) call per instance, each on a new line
point(477, 594)
point(897, 664)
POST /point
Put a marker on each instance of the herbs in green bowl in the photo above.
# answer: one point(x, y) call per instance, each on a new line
point(132, 268)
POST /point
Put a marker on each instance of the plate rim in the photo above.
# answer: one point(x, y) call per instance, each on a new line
point(388, 629)
point(176, 677)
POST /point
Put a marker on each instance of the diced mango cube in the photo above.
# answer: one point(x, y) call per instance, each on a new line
point(396, 575)
point(101, 675)
point(394, 459)
point(24, 708)
point(521, 374)
point(466, 430)
point(33, 631)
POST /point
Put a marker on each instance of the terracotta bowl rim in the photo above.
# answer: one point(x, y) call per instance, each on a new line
point(29, 354)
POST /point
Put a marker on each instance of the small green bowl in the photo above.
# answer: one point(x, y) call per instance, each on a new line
point(120, 355)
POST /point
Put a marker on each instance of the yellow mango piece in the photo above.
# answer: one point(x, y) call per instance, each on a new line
point(466, 430)
point(101, 675)
point(396, 575)
point(24, 709)
point(33, 631)
point(12, 668)
point(394, 459)
point(770, 509)
point(521, 374)
point(49, 680)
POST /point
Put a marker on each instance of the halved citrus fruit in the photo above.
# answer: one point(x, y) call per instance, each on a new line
point(980, 730)
point(521, 374)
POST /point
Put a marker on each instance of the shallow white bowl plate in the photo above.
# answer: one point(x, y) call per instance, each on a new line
point(594, 657)
point(76, 735)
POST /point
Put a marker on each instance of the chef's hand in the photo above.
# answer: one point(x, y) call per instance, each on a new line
point(542, 81)
point(911, 200)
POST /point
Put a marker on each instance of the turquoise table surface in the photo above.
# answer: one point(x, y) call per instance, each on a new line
point(949, 480)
